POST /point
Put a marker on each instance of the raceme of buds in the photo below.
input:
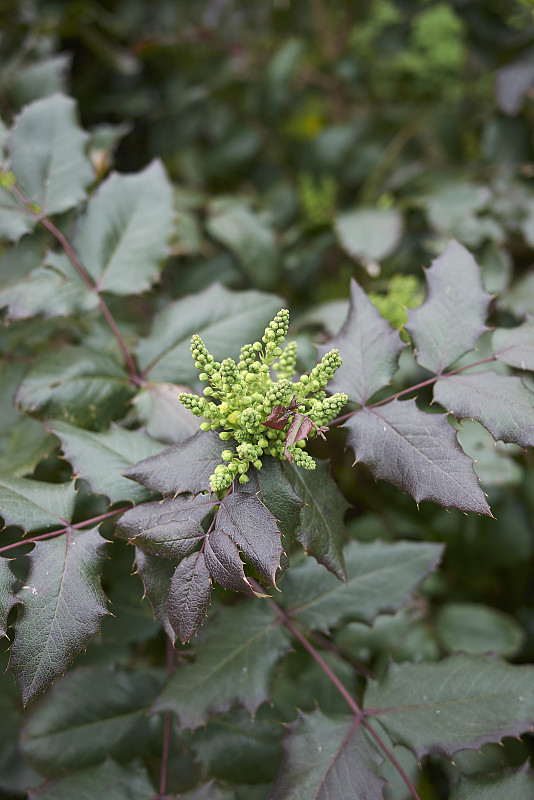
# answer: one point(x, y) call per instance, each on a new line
point(256, 415)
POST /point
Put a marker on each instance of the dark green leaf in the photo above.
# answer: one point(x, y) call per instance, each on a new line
point(64, 731)
point(280, 498)
point(108, 780)
point(233, 666)
point(451, 318)
point(369, 234)
point(381, 577)
point(40, 79)
point(418, 453)
point(328, 758)
point(494, 461)
point(475, 628)
point(35, 504)
point(101, 458)
point(459, 703)
point(76, 384)
point(321, 531)
point(223, 562)
point(7, 596)
point(156, 574)
point(162, 415)
point(63, 607)
point(515, 346)
point(507, 786)
point(369, 348)
point(502, 403)
point(189, 596)
point(122, 240)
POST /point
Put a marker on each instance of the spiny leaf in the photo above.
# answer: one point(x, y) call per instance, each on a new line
point(169, 528)
point(123, 237)
point(369, 234)
point(63, 607)
point(451, 318)
point(189, 596)
point(505, 786)
point(328, 758)
point(223, 562)
point(277, 493)
point(515, 346)
point(459, 703)
point(109, 780)
point(369, 348)
point(184, 467)
point(418, 453)
point(156, 574)
point(502, 403)
point(321, 531)
point(63, 731)
point(101, 458)
point(162, 414)
point(381, 577)
point(35, 504)
point(7, 595)
point(233, 666)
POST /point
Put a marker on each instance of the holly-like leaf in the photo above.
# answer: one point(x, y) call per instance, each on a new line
point(122, 240)
point(515, 346)
point(459, 703)
point(189, 596)
point(418, 453)
point(250, 524)
point(35, 504)
point(109, 780)
point(506, 786)
point(321, 531)
point(233, 666)
point(225, 320)
point(369, 234)
point(156, 574)
point(452, 316)
point(369, 347)
point(63, 606)
point(502, 403)
point(63, 731)
point(162, 414)
point(48, 154)
point(77, 384)
point(169, 529)
point(101, 458)
point(224, 563)
point(7, 595)
point(327, 758)
point(381, 577)
point(184, 467)
point(476, 628)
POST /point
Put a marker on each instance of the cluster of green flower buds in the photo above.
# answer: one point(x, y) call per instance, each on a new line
point(242, 400)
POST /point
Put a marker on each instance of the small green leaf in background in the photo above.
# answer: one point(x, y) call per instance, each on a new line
point(7, 595)
point(515, 346)
point(475, 628)
point(35, 504)
point(162, 414)
point(40, 78)
point(493, 461)
point(505, 786)
point(369, 234)
point(109, 780)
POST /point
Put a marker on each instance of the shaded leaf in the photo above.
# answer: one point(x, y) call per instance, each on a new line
point(63, 606)
point(459, 703)
point(40, 79)
point(502, 403)
point(233, 666)
point(515, 346)
point(451, 318)
point(381, 577)
point(369, 234)
point(101, 458)
point(63, 731)
point(225, 320)
point(494, 462)
point(7, 595)
point(278, 495)
point(513, 83)
point(189, 596)
point(327, 758)
point(14, 221)
point(109, 780)
point(416, 452)
point(369, 348)
point(122, 239)
point(48, 154)
point(475, 628)
point(77, 384)
point(506, 786)
point(321, 531)
point(35, 504)
point(162, 415)
point(223, 562)
point(156, 574)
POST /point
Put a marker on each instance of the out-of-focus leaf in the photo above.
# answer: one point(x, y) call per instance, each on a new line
point(65, 732)
point(416, 452)
point(453, 211)
point(122, 240)
point(475, 628)
point(369, 234)
point(505, 786)
point(520, 298)
point(40, 79)
point(162, 414)
point(35, 504)
point(452, 316)
point(512, 84)
point(101, 458)
point(109, 780)
point(7, 595)
point(515, 346)
point(156, 574)
point(63, 607)
point(14, 222)
point(493, 461)
point(189, 596)
point(233, 666)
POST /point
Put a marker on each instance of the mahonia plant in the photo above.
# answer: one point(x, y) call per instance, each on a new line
point(254, 411)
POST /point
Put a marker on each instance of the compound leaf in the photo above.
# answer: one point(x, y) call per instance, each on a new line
point(7, 595)
point(451, 318)
point(189, 596)
point(101, 458)
point(418, 453)
point(156, 574)
point(506, 786)
point(382, 577)
point(327, 758)
point(63, 731)
point(35, 504)
point(224, 563)
point(459, 703)
point(369, 234)
point(515, 346)
point(109, 780)
point(63, 606)
point(162, 414)
point(233, 666)
point(369, 348)
point(502, 403)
